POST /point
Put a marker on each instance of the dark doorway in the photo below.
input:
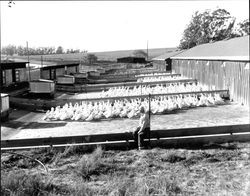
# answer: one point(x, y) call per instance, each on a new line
point(168, 64)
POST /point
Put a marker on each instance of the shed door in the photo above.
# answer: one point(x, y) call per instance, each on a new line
point(168, 64)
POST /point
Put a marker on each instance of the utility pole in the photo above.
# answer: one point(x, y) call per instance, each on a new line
point(41, 66)
point(41, 60)
point(28, 58)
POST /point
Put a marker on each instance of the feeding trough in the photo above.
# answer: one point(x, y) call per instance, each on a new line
point(66, 79)
point(42, 86)
point(4, 106)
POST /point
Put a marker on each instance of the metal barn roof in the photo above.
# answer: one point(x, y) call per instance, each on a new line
point(236, 49)
point(168, 55)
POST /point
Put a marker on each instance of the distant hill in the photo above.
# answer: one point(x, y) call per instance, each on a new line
point(113, 55)
point(102, 56)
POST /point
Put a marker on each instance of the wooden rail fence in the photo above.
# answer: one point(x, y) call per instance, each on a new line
point(158, 75)
point(183, 135)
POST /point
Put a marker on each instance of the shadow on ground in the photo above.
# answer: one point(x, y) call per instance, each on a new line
point(32, 125)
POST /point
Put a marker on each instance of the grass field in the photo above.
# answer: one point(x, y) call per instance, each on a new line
point(211, 170)
point(102, 56)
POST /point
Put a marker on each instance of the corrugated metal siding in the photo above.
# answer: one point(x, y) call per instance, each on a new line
point(230, 75)
point(159, 65)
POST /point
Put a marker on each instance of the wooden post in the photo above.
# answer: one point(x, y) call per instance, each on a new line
point(149, 105)
point(28, 60)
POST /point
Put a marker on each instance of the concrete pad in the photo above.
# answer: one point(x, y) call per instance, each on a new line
point(31, 125)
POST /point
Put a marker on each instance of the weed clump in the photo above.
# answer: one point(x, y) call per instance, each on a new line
point(90, 164)
point(172, 158)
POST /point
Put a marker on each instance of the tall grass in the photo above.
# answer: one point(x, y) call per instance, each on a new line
point(22, 184)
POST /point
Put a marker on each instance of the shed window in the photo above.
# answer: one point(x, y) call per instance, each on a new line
point(17, 73)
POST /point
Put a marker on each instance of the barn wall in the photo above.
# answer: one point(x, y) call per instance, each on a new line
point(231, 75)
point(159, 65)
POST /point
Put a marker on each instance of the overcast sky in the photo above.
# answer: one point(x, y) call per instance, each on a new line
point(104, 25)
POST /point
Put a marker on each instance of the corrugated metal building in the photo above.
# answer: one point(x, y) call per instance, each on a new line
point(164, 62)
point(220, 65)
point(13, 72)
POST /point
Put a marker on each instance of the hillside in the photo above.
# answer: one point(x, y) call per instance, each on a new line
point(102, 56)
point(113, 55)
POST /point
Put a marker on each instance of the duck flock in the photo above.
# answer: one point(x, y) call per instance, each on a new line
point(129, 108)
point(158, 89)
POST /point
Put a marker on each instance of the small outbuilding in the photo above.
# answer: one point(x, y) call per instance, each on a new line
point(42, 87)
point(51, 72)
point(164, 62)
point(131, 60)
point(5, 106)
point(13, 72)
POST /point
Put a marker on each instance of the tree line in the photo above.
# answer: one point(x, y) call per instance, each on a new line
point(210, 26)
point(11, 50)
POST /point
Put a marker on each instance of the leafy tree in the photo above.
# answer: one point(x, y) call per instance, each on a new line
point(10, 3)
point(140, 53)
point(241, 29)
point(206, 27)
point(9, 50)
point(91, 59)
point(59, 50)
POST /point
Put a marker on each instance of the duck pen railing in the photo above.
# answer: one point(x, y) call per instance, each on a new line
point(100, 87)
point(157, 75)
point(172, 137)
point(30, 104)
